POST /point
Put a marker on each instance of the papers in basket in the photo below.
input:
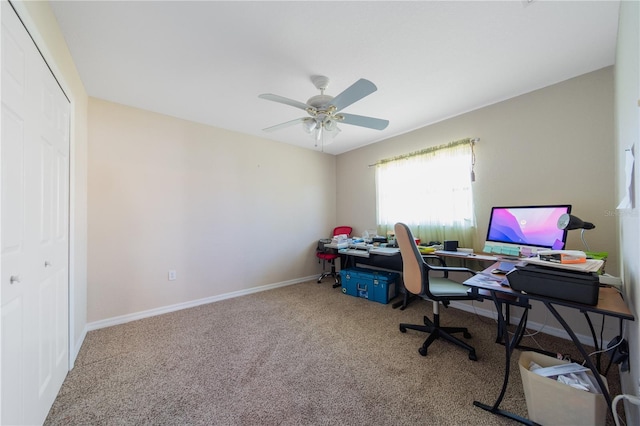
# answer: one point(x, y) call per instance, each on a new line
point(571, 374)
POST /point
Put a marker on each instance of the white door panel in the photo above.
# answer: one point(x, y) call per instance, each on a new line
point(35, 230)
point(12, 205)
point(61, 335)
point(45, 334)
point(12, 365)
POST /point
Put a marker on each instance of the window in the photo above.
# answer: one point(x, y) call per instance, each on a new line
point(430, 191)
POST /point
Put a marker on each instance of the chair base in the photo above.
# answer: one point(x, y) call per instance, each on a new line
point(330, 274)
point(436, 332)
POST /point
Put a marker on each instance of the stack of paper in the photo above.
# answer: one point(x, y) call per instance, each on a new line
point(591, 265)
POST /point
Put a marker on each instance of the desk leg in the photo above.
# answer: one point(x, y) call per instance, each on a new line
point(406, 297)
point(584, 354)
point(596, 344)
point(509, 345)
point(507, 320)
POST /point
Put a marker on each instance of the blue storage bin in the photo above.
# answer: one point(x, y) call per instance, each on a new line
point(379, 286)
point(349, 279)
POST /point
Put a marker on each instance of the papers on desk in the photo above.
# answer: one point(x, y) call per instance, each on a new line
point(484, 280)
point(385, 251)
point(591, 265)
point(454, 253)
point(337, 245)
point(354, 252)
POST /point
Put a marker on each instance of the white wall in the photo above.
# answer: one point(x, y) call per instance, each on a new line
point(43, 27)
point(553, 145)
point(228, 212)
point(628, 134)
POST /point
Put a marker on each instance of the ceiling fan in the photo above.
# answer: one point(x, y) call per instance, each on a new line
point(324, 110)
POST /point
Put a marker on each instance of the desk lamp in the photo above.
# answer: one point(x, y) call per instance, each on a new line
point(569, 222)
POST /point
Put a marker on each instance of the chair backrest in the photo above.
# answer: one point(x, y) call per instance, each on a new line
point(342, 230)
point(412, 263)
point(320, 247)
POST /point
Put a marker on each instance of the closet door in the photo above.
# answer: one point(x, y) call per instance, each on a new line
point(35, 233)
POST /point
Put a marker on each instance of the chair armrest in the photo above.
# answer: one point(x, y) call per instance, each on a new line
point(433, 256)
point(451, 269)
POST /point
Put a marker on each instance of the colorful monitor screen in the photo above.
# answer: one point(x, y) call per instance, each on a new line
point(531, 226)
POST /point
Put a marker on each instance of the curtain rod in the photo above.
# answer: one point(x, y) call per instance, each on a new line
point(471, 141)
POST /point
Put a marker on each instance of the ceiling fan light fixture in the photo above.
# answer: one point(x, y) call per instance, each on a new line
point(309, 124)
point(330, 125)
point(334, 132)
point(331, 133)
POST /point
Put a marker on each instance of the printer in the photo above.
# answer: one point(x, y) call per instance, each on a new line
point(571, 285)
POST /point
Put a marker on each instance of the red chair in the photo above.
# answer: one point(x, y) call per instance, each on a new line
point(330, 255)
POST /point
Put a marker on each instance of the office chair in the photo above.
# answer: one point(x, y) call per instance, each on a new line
point(331, 256)
point(419, 280)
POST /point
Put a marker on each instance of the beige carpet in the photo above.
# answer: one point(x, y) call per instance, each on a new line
point(299, 355)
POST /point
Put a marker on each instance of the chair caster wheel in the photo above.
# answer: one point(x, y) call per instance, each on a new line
point(422, 351)
point(403, 329)
point(319, 281)
point(466, 335)
point(472, 356)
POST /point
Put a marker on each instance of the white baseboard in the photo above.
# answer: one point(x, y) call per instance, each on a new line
point(531, 325)
point(122, 319)
point(76, 347)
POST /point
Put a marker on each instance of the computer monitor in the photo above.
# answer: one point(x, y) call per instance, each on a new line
point(525, 230)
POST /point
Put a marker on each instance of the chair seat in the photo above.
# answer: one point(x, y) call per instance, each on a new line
point(441, 287)
point(327, 256)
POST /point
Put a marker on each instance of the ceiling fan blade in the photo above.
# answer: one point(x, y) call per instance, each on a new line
point(362, 121)
point(285, 124)
point(283, 100)
point(353, 93)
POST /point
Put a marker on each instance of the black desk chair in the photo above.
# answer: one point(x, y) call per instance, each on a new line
point(419, 280)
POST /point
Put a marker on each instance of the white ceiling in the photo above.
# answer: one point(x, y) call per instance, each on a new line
point(207, 61)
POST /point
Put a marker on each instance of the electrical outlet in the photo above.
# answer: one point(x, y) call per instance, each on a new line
point(172, 275)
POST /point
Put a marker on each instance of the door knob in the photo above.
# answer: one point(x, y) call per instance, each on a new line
point(47, 263)
point(14, 279)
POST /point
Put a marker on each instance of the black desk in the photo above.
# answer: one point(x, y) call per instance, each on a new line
point(610, 303)
point(382, 261)
point(386, 262)
point(394, 263)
